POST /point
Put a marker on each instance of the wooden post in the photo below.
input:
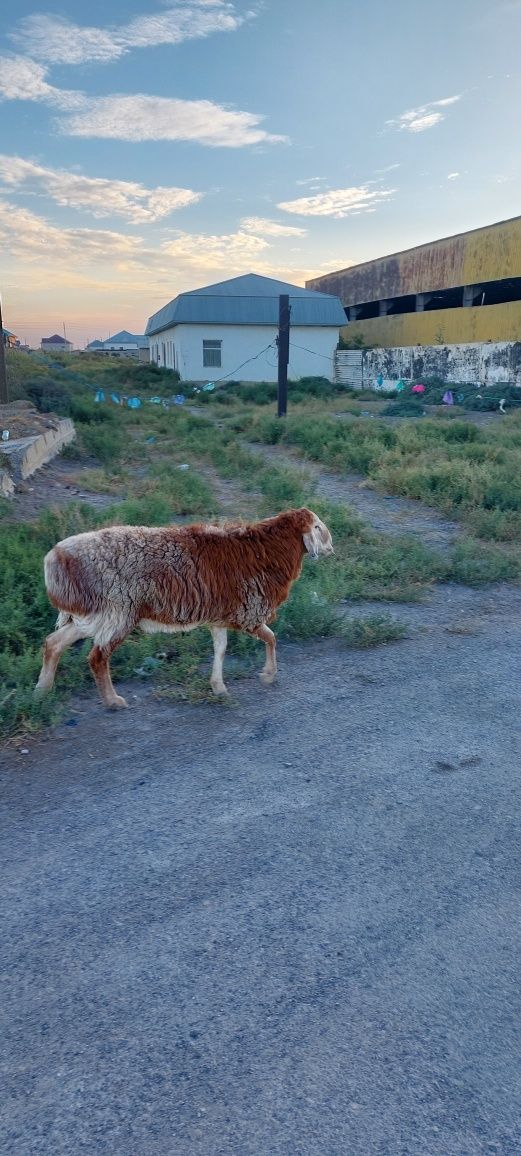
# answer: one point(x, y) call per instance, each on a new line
point(283, 344)
point(4, 395)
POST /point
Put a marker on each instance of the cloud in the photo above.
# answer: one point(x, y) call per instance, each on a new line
point(311, 181)
point(59, 41)
point(136, 117)
point(424, 117)
point(235, 251)
point(453, 176)
point(26, 235)
point(140, 117)
point(270, 228)
point(101, 197)
point(100, 279)
point(30, 238)
point(338, 203)
point(24, 79)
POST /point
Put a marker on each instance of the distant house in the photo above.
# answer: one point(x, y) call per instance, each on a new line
point(55, 344)
point(122, 344)
point(11, 341)
point(230, 330)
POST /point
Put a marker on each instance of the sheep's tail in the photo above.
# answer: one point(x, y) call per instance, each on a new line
point(65, 583)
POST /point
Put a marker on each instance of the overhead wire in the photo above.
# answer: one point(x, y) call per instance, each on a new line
point(226, 376)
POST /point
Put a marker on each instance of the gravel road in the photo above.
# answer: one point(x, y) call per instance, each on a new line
point(286, 927)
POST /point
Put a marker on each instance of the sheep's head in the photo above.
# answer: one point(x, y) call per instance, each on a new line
point(317, 539)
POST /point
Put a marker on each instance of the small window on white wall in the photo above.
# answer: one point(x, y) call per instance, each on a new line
point(212, 354)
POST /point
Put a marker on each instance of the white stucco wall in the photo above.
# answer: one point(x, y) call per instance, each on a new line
point(311, 351)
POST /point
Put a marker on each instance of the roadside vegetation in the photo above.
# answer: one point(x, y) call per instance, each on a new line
point(468, 472)
point(163, 464)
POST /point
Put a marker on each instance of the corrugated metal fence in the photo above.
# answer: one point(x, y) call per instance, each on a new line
point(349, 368)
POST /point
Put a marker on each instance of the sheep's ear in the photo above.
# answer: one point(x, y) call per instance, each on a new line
point(304, 518)
point(312, 541)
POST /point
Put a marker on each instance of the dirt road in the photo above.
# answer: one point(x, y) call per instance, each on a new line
point(287, 927)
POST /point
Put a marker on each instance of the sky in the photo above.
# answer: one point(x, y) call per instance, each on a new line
point(164, 146)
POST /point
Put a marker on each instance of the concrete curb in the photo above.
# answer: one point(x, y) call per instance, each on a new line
point(23, 456)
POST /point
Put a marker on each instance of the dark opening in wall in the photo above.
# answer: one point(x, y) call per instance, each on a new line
point(497, 292)
point(364, 311)
point(489, 293)
point(402, 304)
point(445, 299)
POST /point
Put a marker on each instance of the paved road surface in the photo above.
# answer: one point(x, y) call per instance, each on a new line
point(290, 927)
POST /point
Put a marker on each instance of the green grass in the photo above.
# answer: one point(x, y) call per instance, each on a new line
point(466, 471)
point(310, 612)
point(469, 473)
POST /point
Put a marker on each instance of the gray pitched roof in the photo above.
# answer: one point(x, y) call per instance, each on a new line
point(247, 300)
point(125, 338)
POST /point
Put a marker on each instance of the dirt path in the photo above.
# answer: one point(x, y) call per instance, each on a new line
point(388, 515)
point(57, 484)
point(288, 925)
point(232, 499)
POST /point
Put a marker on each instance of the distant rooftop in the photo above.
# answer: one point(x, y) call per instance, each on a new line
point(122, 338)
point(247, 300)
point(126, 338)
point(56, 339)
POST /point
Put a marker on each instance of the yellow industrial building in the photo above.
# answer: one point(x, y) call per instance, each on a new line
point(460, 289)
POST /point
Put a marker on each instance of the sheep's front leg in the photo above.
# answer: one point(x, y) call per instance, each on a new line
point(54, 647)
point(99, 665)
point(220, 642)
point(269, 671)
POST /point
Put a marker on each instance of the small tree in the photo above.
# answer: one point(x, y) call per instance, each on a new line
point(355, 342)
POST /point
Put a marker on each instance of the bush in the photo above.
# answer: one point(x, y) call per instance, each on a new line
point(86, 411)
point(105, 442)
point(48, 396)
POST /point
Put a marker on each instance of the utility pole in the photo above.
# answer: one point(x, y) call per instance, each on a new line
point(4, 396)
point(283, 344)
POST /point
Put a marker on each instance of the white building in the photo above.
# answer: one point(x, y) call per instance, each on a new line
point(229, 330)
point(123, 344)
point(55, 344)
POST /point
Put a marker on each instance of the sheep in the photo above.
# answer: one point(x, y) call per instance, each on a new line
point(105, 583)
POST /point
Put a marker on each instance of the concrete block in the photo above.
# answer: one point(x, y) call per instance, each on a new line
point(21, 457)
point(6, 484)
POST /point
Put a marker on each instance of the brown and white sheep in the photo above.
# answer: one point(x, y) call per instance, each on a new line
point(105, 583)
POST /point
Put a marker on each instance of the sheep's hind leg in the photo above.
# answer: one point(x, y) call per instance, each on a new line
point(269, 671)
point(55, 644)
point(220, 642)
point(99, 665)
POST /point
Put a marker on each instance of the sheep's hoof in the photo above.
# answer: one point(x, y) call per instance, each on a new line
point(117, 703)
point(219, 689)
point(268, 676)
point(40, 692)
